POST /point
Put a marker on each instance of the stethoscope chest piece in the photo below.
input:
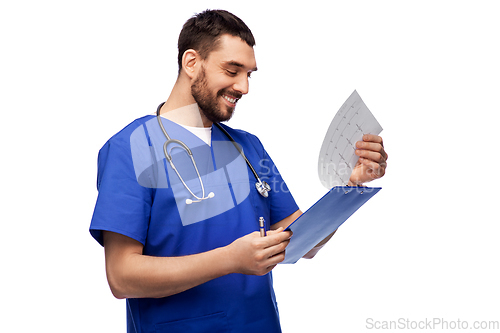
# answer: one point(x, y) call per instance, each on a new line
point(263, 188)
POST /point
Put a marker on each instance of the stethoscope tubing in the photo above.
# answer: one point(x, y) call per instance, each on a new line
point(262, 187)
point(240, 151)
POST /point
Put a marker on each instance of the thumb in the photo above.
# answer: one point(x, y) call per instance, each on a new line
point(276, 231)
point(279, 231)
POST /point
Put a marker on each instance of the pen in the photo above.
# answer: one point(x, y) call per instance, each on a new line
point(262, 228)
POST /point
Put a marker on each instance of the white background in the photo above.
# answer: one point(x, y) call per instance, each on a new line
point(73, 73)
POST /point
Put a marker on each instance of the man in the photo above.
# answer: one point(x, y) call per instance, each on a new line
point(191, 263)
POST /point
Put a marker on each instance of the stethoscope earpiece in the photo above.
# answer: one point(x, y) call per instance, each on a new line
point(209, 196)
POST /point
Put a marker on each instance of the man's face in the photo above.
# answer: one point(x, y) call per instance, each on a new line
point(223, 78)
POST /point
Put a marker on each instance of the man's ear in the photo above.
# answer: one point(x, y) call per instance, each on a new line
point(190, 62)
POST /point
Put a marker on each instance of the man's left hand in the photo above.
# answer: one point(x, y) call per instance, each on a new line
point(372, 160)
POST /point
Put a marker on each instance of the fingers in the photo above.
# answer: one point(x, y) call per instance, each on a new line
point(275, 244)
point(372, 158)
point(379, 157)
point(280, 233)
point(374, 170)
point(276, 249)
point(272, 257)
point(276, 237)
point(372, 147)
point(256, 255)
point(373, 138)
point(280, 229)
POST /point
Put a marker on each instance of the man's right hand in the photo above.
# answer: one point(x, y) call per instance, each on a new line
point(256, 255)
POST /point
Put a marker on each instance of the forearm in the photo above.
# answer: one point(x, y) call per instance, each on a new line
point(145, 276)
point(134, 275)
point(315, 249)
point(288, 220)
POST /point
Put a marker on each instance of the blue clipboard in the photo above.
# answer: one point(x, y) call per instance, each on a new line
point(324, 217)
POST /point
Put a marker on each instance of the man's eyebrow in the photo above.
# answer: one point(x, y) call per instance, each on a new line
point(237, 64)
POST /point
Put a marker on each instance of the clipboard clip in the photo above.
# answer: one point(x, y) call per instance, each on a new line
point(356, 186)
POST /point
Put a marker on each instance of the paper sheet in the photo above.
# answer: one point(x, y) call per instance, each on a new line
point(337, 156)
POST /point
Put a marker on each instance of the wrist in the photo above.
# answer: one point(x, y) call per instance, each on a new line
point(350, 183)
point(229, 264)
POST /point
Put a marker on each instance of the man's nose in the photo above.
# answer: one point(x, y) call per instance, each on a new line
point(242, 85)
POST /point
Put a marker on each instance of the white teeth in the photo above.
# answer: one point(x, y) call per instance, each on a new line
point(230, 100)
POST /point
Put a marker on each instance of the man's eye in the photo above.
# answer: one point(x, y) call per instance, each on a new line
point(231, 73)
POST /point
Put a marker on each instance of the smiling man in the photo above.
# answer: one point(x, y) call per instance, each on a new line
point(186, 261)
point(227, 72)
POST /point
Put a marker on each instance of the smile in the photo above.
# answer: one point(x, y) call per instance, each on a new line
point(231, 100)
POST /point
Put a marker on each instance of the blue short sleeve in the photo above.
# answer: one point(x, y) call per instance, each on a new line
point(123, 205)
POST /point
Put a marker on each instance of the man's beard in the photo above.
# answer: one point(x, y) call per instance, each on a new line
point(208, 103)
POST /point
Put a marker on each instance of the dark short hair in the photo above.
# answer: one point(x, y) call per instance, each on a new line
point(202, 32)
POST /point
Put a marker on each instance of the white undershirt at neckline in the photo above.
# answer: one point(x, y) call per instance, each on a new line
point(204, 133)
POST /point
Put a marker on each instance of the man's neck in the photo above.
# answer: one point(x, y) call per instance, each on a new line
point(189, 115)
point(181, 107)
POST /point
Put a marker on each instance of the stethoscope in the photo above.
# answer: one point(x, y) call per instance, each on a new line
point(262, 187)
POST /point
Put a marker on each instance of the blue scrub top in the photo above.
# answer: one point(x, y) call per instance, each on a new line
point(141, 197)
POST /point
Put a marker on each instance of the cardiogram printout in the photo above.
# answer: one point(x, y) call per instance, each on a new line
point(337, 156)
